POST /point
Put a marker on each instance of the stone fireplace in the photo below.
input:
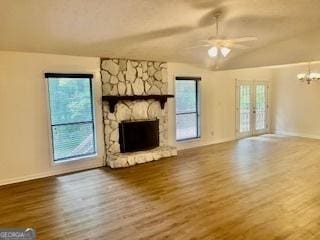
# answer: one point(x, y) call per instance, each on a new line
point(122, 77)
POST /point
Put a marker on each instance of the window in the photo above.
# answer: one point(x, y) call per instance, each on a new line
point(71, 114)
point(187, 108)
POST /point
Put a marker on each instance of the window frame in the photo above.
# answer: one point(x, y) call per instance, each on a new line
point(93, 121)
point(197, 112)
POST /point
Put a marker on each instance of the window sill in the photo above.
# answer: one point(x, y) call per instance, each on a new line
point(75, 159)
point(188, 140)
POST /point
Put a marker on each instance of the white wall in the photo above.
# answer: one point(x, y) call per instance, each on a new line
point(296, 105)
point(217, 101)
point(24, 129)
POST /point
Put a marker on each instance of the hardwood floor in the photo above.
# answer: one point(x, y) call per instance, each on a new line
point(260, 188)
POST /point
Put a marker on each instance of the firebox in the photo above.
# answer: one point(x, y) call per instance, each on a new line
point(138, 135)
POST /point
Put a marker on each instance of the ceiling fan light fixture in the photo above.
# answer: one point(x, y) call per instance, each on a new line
point(225, 51)
point(213, 52)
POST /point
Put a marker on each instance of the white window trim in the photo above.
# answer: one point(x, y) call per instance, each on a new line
point(51, 148)
point(198, 93)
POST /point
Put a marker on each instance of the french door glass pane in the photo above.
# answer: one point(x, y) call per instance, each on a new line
point(186, 126)
point(245, 102)
point(72, 140)
point(260, 107)
point(186, 96)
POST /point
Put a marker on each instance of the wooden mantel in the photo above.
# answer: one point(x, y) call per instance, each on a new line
point(113, 100)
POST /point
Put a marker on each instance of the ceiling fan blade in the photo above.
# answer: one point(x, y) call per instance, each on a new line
point(223, 43)
point(235, 45)
point(198, 46)
point(244, 39)
point(219, 42)
point(205, 41)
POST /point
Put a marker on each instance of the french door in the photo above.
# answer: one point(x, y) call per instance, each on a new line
point(252, 108)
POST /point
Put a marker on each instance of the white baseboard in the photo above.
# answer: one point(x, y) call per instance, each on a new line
point(48, 174)
point(199, 143)
point(295, 134)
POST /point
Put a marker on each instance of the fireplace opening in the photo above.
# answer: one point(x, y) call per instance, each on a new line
point(138, 135)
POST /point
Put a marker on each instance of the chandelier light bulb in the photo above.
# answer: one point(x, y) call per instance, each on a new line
point(301, 76)
point(314, 76)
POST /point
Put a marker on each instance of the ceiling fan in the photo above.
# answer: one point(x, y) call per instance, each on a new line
point(223, 46)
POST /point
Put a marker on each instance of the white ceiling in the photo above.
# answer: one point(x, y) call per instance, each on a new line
point(288, 30)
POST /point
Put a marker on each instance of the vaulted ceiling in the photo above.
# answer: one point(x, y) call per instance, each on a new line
point(287, 30)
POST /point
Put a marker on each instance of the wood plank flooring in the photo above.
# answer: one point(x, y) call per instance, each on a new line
point(265, 187)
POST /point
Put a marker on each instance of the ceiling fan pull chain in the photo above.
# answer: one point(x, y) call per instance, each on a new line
point(217, 25)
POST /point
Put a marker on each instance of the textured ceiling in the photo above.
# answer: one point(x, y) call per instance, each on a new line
point(288, 30)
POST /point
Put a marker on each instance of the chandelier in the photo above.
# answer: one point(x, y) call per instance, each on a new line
point(309, 76)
